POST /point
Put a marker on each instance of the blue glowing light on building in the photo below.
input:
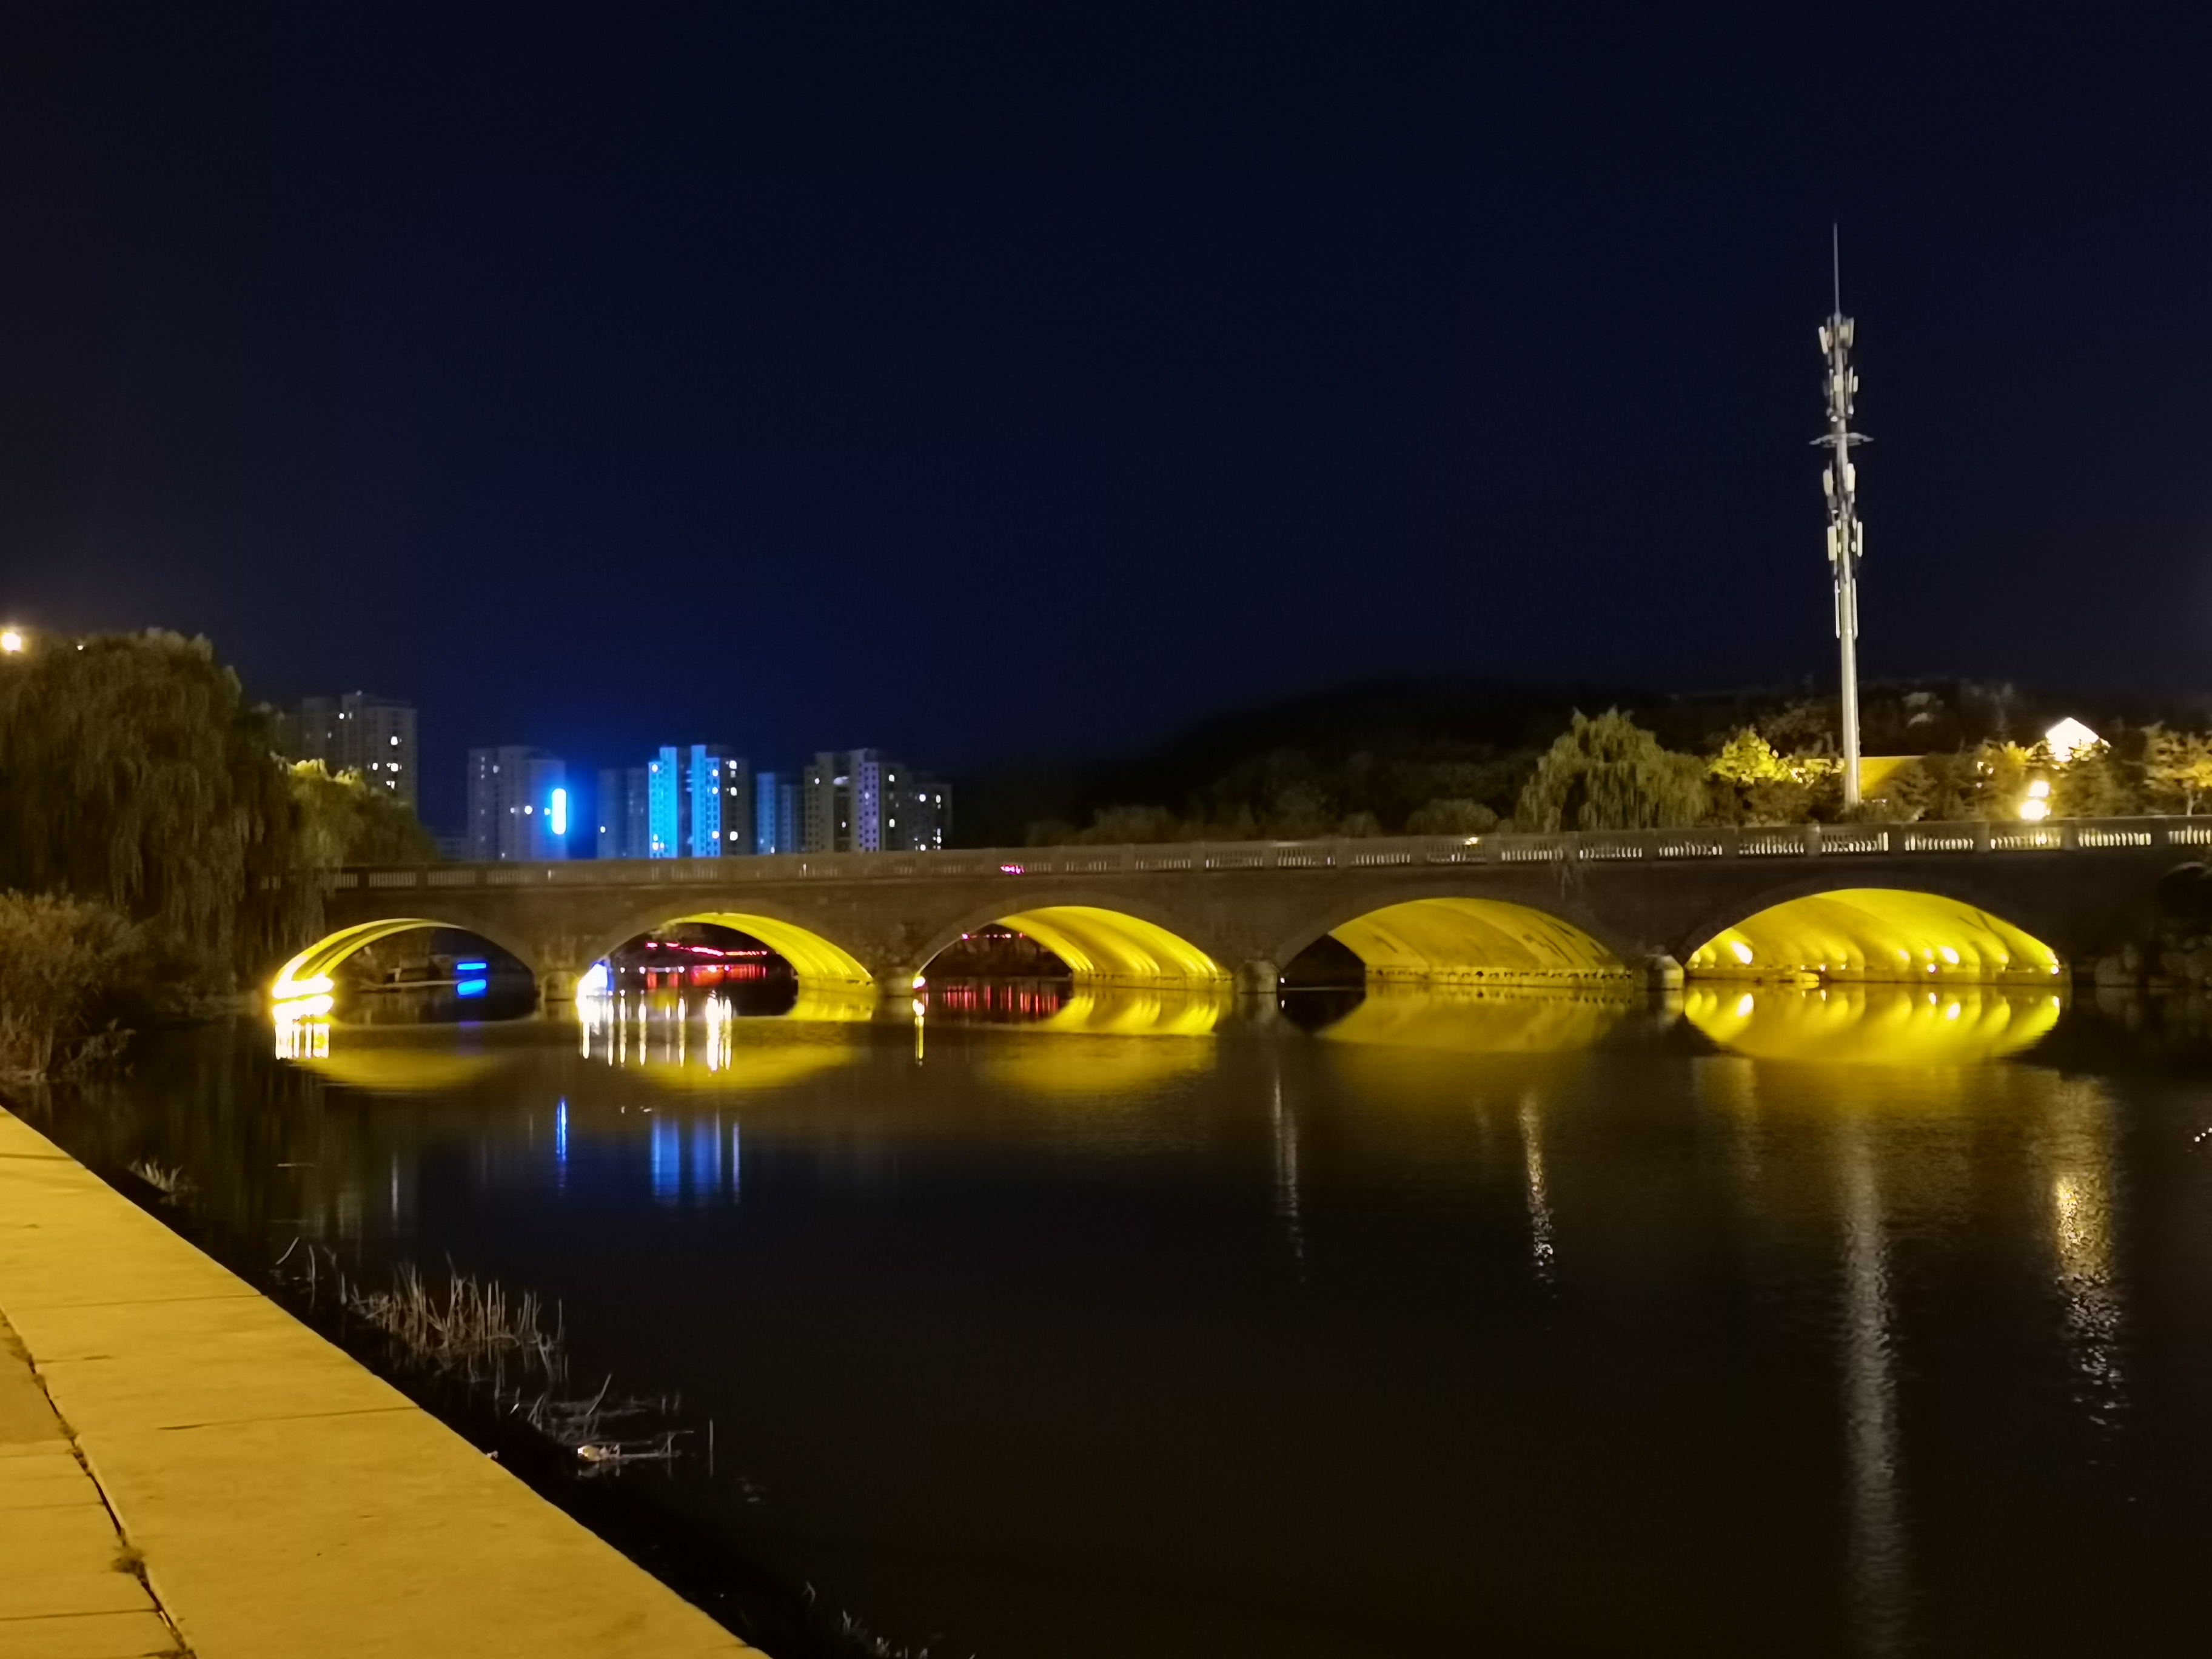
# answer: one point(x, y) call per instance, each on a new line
point(706, 803)
point(470, 987)
point(665, 805)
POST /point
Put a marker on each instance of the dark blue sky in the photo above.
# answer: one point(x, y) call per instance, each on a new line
point(985, 383)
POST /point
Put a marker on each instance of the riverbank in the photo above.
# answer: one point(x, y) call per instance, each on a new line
point(276, 1497)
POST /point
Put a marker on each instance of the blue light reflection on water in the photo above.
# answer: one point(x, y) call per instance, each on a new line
point(668, 1160)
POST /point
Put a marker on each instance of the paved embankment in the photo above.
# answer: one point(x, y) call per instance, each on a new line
point(280, 1500)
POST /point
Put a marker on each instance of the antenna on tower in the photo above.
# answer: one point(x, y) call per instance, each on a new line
point(1840, 483)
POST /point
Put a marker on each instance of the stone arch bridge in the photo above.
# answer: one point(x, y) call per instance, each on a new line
point(1983, 901)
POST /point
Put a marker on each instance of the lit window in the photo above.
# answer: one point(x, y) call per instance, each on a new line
point(395, 742)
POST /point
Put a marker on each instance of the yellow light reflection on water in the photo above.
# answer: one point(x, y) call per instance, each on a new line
point(1873, 1024)
point(1109, 1040)
point(651, 1035)
point(1530, 1021)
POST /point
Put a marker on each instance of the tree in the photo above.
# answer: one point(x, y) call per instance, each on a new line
point(337, 820)
point(1752, 783)
point(2176, 769)
point(1611, 773)
point(2093, 783)
point(132, 773)
point(1451, 815)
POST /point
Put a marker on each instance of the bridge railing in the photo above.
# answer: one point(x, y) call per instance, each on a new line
point(2187, 837)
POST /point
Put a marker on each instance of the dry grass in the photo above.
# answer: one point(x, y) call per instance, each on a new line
point(171, 1183)
point(473, 1326)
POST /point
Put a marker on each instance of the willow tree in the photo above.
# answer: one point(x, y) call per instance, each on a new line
point(132, 773)
point(1611, 773)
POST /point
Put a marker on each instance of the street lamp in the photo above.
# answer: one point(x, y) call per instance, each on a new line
point(11, 641)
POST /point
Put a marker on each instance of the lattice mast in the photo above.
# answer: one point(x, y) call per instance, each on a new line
point(1846, 533)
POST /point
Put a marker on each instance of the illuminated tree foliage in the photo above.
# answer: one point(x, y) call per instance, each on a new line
point(1611, 773)
point(339, 820)
point(1749, 782)
point(2176, 769)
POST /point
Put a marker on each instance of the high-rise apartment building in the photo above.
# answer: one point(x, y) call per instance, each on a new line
point(518, 806)
point(775, 813)
point(356, 732)
point(860, 800)
point(700, 803)
point(625, 813)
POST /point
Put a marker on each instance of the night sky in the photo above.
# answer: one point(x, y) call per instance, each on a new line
point(985, 385)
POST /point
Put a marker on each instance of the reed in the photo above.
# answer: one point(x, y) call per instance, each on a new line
point(471, 1324)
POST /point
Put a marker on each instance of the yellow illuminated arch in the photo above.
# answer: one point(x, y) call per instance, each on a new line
point(812, 958)
point(303, 985)
point(1873, 1024)
point(1876, 935)
point(1109, 947)
point(1478, 941)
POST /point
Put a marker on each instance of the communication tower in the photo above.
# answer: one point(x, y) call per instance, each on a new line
point(1846, 532)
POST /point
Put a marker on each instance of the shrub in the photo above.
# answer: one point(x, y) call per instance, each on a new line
point(63, 964)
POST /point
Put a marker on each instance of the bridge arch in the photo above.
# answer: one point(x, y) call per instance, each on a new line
point(815, 958)
point(1102, 944)
point(1874, 935)
point(1454, 939)
point(307, 977)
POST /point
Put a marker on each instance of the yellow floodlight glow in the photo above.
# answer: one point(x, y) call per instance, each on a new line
point(11, 641)
point(1874, 934)
point(1109, 947)
point(308, 974)
point(812, 958)
point(1481, 940)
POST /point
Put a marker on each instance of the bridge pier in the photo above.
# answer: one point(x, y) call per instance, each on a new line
point(1258, 977)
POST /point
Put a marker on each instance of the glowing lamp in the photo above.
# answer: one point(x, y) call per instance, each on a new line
point(11, 641)
point(558, 809)
point(2068, 738)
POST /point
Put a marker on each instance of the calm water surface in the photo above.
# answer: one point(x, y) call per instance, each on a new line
point(1769, 1322)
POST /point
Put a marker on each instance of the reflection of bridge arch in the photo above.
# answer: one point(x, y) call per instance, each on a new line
point(1454, 938)
point(308, 975)
point(1101, 944)
point(1874, 935)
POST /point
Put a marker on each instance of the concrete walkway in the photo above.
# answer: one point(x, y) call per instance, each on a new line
point(282, 1501)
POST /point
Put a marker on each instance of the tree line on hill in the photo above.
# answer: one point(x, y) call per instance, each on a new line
point(154, 846)
point(1730, 759)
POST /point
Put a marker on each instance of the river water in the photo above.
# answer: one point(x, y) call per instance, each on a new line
point(1766, 1322)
